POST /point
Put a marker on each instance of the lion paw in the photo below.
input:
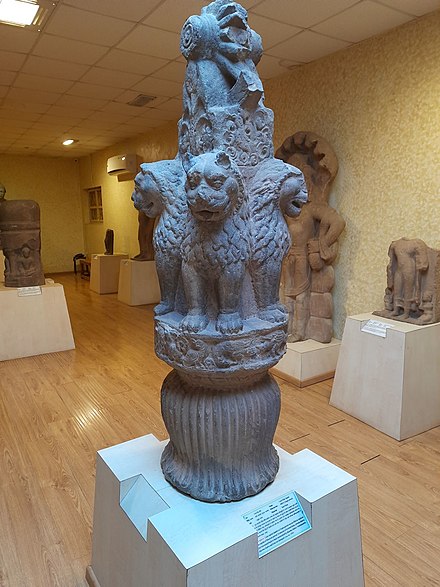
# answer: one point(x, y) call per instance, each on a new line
point(163, 308)
point(275, 314)
point(229, 323)
point(194, 322)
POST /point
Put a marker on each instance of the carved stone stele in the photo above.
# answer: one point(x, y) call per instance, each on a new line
point(109, 242)
point(308, 275)
point(20, 241)
point(413, 283)
point(219, 246)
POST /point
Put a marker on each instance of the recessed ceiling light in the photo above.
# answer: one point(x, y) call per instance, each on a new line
point(18, 12)
point(69, 142)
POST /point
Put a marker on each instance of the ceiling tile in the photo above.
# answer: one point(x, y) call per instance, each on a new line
point(16, 125)
point(109, 116)
point(159, 87)
point(54, 68)
point(302, 13)
point(149, 41)
point(12, 116)
point(110, 77)
point(174, 72)
point(415, 7)
point(82, 25)
point(171, 15)
point(7, 77)
point(64, 111)
point(13, 36)
point(362, 21)
point(80, 102)
point(11, 61)
point(306, 46)
point(173, 105)
point(93, 91)
point(156, 114)
point(132, 62)
point(32, 97)
point(130, 10)
point(3, 91)
point(35, 82)
point(271, 66)
point(121, 109)
point(271, 32)
point(68, 49)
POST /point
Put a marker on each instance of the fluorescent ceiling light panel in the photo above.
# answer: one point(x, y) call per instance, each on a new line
point(18, 12)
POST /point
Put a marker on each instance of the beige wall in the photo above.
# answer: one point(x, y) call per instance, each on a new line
point(119, 213)
point(54, 184)
point(377, 103)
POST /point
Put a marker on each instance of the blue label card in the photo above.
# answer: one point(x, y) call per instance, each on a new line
point(278, 522)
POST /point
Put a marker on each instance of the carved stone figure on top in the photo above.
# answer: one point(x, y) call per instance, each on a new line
point(308, 275)
point(109, 241)
point(220, 240)
point(20, 241)
point(145, 238)
point(413, 283)
point(160, 192)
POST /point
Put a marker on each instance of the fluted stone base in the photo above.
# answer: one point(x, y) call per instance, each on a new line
point(220, 445)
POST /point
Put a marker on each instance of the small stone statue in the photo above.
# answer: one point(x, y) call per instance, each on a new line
point(20, 241)
point(219, 245)
point(413, 283)
point(145, 238)
point(2, 192)
point(308, 275)
point(109, 241)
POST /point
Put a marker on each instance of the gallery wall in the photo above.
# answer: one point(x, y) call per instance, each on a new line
point(377, 104)
point(54, 184)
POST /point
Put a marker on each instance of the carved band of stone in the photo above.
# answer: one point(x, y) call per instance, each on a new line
point(220, 445)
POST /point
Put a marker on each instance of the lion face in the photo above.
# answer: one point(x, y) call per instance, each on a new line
point(146, 195)
point(211, 187)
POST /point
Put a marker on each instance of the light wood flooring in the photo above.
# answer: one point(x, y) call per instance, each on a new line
point(57, 410)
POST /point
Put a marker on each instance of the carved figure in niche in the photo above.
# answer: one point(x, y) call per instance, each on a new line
point(109, 241)
point(413, 282)
point(145, 238)
point(308, 275)
point(160, 192)
point(216, 245)
point(276, 189)
point(20, 241)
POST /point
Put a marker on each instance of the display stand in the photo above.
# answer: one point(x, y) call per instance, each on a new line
point(148, 534)
point(104, 276)
point(138, 283)
point(391, 382)
point(34, 321)
point(307, 362)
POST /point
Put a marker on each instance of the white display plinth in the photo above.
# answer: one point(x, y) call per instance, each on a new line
point(34, 324)
point(390, 383)
point(307, 362)
point(138, 283)
point(195, 544)
point(104, 272)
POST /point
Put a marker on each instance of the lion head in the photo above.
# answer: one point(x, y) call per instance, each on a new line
point(146, 195)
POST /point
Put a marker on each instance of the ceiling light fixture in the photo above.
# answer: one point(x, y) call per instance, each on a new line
point(69, 142)
point(18, 12)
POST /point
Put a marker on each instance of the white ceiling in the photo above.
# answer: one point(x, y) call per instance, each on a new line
point(75, 76)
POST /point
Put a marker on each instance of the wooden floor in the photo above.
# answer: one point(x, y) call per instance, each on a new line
point(57, 410)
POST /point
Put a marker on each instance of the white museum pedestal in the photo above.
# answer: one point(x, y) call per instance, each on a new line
point(104, 272)
point(34, 321)
point(138, 283)
point(390, 383)
point(146, 534)
point(307, 362)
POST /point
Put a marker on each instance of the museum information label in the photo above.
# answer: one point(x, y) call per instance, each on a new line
point(375, 327)
point(278, 522)
point(34, 290)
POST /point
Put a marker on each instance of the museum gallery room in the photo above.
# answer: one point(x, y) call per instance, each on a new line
point(220, 327)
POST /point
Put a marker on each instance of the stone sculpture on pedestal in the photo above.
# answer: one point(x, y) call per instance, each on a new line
point(219, 245)
point(145, 238)
point(109, 241)
point(20, 241)
point(413, 283)
point(308, 275)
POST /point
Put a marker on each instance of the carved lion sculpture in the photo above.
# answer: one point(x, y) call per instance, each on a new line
point(160, 191)
point(216, 246)
point(276, 189)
